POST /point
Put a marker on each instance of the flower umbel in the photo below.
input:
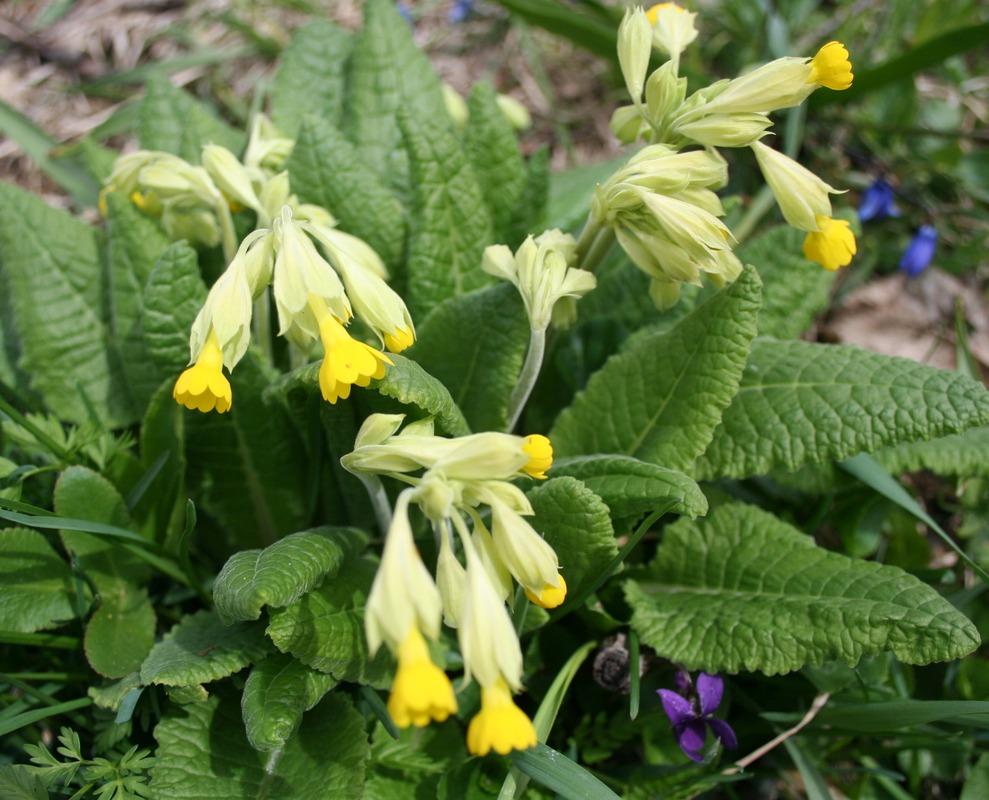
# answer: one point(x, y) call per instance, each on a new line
point(690, 713)
point(500, 725)
point(203, 386)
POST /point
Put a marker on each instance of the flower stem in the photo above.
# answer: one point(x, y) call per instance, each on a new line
point(594, 244)
point(379, 500)
point(528, 376)
point(227, 231)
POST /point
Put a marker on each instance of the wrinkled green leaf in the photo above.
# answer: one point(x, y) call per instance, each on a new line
point(311, 77)
point(325, 629)
point(493, 151)
point(661, 397)
point(824, 402)
point(276, 694)
point(327, 170)
point(576, 523)
point(203, 754)
point(172, 299)
point(36, 583)
point(450, 224)
point(174, 121)
point(629, 486)
point(280, 574)
point(745, 591)
point(121, 631)
point(55, 285)
point(480, 368)
point(201, 648)
point(962, 455)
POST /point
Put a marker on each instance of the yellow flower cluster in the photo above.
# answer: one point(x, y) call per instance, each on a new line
point(452, 481)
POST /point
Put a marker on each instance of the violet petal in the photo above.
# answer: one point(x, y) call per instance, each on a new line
point(677, 708)
point(722, 730)
point(709, 691)
point(691, 738)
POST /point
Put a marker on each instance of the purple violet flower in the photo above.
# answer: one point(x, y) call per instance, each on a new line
point(690, 713)
point(460, 11)
point(920, 251)
point(878, 202)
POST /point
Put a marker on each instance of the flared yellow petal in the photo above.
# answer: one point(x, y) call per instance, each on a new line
point(540, 452)
point(831, 67)
point(832, 246)
point(203, 386)
point(500, 725)
point(421, 691)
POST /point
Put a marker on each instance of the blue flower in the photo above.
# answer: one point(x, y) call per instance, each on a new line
point(878, 202)
point(405, 11)
point(460, 11)
point(690, 713)
point(920, 251)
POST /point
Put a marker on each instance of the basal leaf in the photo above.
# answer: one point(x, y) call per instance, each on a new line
point(475, 344)
point(450, 224)
point(203, 754)
point(325, 629)
point(253, 459)
point(801, 402)
point(277, 692)
point(629, 486)
point(283, 572)
point(162, 508)
point(121, 631)
point(328, 170)
point(576, 523)
point(962, 455)
point(134, 245)
point(311, 76)
point(743, 590)
point(493, 151)
point(661, 397)
point(794, 291)
point(37, 588)
point(174, 121)
point(55, 284)
point(388, 72)
point(172, 298)
point(202, 648)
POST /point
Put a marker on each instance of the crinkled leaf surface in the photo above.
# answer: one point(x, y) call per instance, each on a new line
point(121, 631)
point(575, 521)
point(327, 170)
point(134, 244)
point(37, 587)
point(277, 692)
point(172, 299)
point(311, 76)
point(801, 402)
point(283, 572)
point(743, 590)
point(963, 455)
point(475, 344)
point(493, 150)
point(251, 460)
point(55, 282)
point(661, 397)
point(629, 486)
point(203, 754)
point(794, 291)
point(202, 648)
point(388, 72)
point(450, 224)
point(325, 629)
point(174, 121)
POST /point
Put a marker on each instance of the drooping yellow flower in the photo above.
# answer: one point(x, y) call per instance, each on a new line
point(347, 361)
point(832, 245)
point(421, 691)
point(397, 341)
point(540, 452)
point(831, 67)
point(500, 725)
point(203, 386)
point(551, 596)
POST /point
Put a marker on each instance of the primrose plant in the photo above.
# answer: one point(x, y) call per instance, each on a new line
point(292, 583)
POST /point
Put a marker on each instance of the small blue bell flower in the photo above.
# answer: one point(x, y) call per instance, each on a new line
point(878, 202)
point(920, 251)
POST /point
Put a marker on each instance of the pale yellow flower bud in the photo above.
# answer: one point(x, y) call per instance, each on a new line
point(456, 106)
point(801, 195)
point(516, 113)
point(634, 47)
point(230, 177)
point(672, 28)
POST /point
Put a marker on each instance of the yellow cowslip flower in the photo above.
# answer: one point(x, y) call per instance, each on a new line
point(421, 691)
point(203, 386)
point(550, 596)
point(540, 452)
point(801, 195)
point(832, 245)
point(831, 67)
point(500, 725)
point(672, 28)
point(347, 361)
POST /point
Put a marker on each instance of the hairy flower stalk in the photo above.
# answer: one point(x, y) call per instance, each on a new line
point(452, 480)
